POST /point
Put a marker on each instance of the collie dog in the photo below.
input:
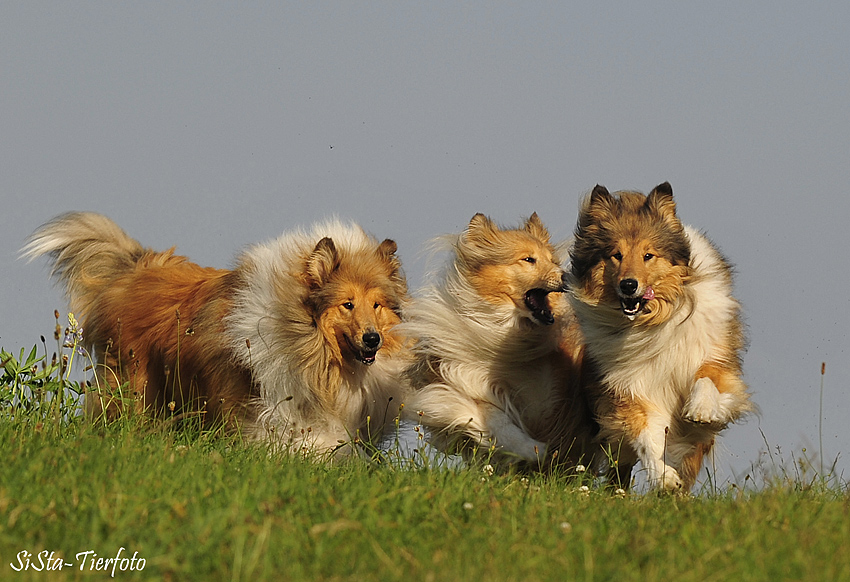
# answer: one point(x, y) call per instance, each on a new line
point(295, 345)
point(662, 332)
point(489, 367)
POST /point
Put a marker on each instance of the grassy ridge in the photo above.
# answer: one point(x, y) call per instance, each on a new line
point(210, 509)
point(195, 506)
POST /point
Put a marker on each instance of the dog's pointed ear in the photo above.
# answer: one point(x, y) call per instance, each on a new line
point(387, 253)
point(600, 200)
point(481, 222)
point(600, 195)
point(598, 203)
point(535, 227)
point(481, 228)
point(323, 261)
point(387, 249)
point(660, 201)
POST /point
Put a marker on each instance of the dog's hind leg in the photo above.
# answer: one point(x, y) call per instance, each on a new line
point(692, 463)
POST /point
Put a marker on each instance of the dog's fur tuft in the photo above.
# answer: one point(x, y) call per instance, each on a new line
point(295, 345)
point(663, 334)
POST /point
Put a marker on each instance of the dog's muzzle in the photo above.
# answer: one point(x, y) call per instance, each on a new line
point(537, 302)
point(371, 342)
point(630, 302)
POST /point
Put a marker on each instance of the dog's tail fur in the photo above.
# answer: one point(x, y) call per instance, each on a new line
point(87, 252)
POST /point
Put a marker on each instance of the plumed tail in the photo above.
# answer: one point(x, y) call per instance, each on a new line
point(87, 251)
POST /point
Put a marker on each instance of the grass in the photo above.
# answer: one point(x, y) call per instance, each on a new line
point(198, 507)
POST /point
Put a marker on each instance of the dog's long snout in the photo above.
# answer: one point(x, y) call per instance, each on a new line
point(629, 286)
point(372, 340)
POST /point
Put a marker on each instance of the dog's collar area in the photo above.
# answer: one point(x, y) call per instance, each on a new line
point(536, 301)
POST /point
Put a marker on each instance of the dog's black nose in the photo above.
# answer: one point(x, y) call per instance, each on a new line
point(628, 286)
point(372, 340)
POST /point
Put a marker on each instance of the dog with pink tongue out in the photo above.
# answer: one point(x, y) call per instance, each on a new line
point(663, 336)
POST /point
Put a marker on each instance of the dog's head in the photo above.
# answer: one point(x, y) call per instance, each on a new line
point(516, 267)
point(630, 252)
point(355, 298)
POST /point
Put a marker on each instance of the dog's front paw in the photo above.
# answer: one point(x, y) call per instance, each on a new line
point(668, 481)
point(706, 404)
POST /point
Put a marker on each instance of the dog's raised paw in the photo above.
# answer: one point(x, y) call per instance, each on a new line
point(705, 405)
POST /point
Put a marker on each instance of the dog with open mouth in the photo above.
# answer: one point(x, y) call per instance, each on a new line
point(490, 369)
point(295, 346)
point(662, 331)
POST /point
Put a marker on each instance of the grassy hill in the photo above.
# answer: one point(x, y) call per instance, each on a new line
point(184, 505)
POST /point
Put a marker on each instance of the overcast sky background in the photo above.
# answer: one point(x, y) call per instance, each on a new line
point(210, 126)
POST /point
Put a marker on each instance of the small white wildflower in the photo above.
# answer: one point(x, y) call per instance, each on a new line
point(467, 506)
point(488, 470)
point(566, 527)
point(524, 481)
point(580, 468)
point(584, 489)
point(620, 492)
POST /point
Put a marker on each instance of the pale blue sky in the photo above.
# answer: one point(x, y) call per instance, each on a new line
point(213, 125)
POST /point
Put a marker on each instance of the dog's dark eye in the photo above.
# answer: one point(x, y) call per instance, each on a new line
point(530, 260)
point(618, 256)
point(648, 256)
point(377, 305)
point(348, 305)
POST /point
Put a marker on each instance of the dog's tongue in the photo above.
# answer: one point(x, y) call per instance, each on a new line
point(649, 295)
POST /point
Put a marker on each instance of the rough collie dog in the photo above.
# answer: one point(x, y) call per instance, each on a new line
point(295, 344)
point(663, 334)
point(489, 368)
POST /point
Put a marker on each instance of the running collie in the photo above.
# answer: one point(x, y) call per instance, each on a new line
point(490, 368)
point(663, 334)
point(295, 345)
